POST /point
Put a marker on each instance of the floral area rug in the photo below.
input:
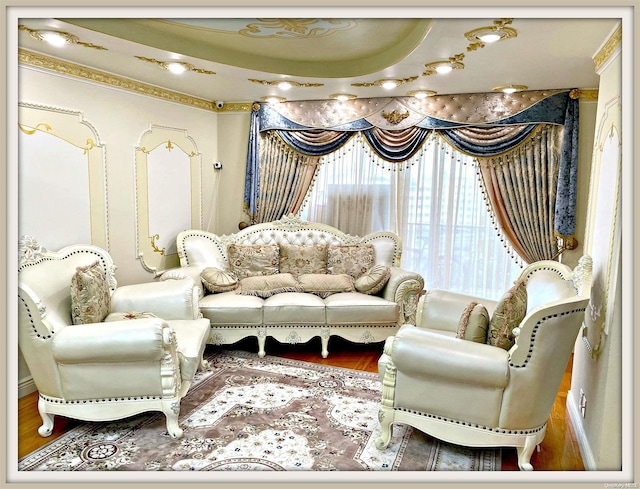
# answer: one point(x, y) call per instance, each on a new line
point(261, 414)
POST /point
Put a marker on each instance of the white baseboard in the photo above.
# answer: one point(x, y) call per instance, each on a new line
point(26, 386)
point(576, 420)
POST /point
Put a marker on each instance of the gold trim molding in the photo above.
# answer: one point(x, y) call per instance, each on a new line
point(610, 46)
point(55, 65)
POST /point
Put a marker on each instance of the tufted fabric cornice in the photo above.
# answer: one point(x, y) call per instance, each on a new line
point(437, 112)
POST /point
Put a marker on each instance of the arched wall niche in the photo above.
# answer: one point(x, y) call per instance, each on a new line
point(60, 155)
point(168, 194)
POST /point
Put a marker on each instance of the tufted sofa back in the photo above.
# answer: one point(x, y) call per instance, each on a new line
point(204, 249)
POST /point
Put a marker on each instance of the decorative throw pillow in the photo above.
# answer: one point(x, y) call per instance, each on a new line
point(119, 316)
point(300, 259)
point(90, 295)
point(217, 280)
point(474, 323)
point(252, 260)
point(509, 312)
point(353, 260)
point(267, 285)
point(373, 281)
point(324, 285)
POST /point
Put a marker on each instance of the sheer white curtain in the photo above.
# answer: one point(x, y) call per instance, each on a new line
point(434, 201)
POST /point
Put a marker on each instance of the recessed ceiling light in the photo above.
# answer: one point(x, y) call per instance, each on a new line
point(284, 85)
point(443, 67)
point(342, 97)
point(389, 84)
point(177, 67)
point(55, 38)
point(421, 94)
point(509, 88)
point(497, 32)
point(272, 99)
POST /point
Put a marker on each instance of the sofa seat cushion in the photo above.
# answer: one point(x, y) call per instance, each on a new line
point(294, 308)
point(356, 308)
point(229, 308)
point(191, 337)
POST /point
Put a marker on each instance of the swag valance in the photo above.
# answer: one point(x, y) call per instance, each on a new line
point(483, 125)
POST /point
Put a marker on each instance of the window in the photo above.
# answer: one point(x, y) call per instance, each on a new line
point(433, 201)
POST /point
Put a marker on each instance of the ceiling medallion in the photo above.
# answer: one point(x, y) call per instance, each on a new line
point(482, 35)
point(301, 28)
point(286, 84)
point(176, 67)
point(58, 38)
point(387, 83)
point(395, 117)
point(509, 88)
point(442, 67)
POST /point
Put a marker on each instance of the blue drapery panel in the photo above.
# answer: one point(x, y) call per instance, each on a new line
point(497, 124)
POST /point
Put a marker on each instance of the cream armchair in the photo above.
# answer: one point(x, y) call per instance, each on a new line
point(476, 394)
point(141, 357)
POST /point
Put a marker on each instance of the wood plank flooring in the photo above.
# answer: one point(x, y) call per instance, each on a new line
point(559, 450)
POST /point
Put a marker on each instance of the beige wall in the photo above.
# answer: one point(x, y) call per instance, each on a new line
point(597, 368)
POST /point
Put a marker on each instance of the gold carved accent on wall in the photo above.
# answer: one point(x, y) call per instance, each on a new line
point(298, 28)
point(154, 246)
point(395, 117)
point(610, 46)
point(30, 131)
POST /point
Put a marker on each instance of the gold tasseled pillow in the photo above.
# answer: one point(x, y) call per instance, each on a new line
point(509, 313)
point(474, 323)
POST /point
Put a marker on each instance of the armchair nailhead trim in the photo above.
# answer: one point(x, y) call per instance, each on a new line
point(316, 326)
point(463, 423)
point(535, 331)
point(33, 326)
point(98, 401)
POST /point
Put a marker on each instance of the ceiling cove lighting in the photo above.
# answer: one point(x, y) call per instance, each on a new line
point(443, 67)
point(486, 35)
point(510, 88)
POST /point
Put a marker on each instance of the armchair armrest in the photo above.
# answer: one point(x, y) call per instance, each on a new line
point(170, 299)
point(403, 287)
point(419, 353)
point(192, 272)
point(140, 340)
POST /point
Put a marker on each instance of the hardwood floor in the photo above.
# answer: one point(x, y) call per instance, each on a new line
point(559, 450)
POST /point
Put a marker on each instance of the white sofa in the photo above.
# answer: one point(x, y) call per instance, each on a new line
point(297, 316)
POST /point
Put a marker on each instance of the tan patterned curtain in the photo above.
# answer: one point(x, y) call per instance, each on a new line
point(285, 177)
point(521, 187)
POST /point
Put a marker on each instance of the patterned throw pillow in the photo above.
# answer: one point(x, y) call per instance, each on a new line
point(267, 285)
point(252, 260)
point(374, 280)
point(217, 280)
point(300, 259)
point(324, 285)
point(90, 295)
point(509, 312)
point(120, 316)
point(474, 323)
point(353, 260)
